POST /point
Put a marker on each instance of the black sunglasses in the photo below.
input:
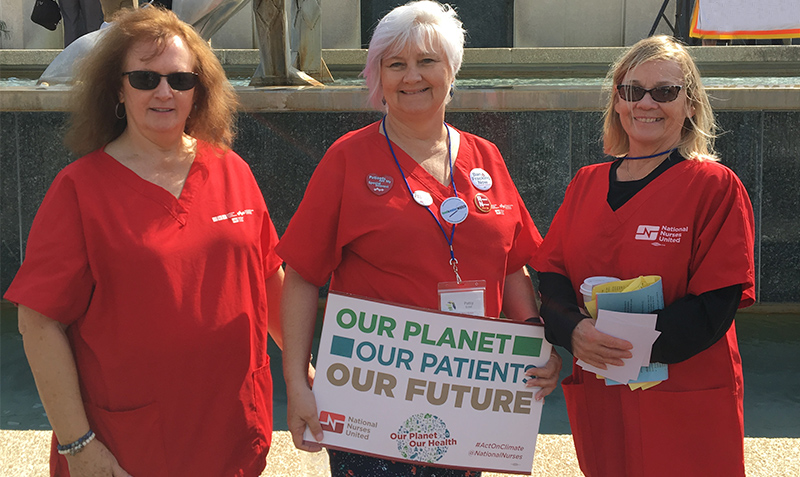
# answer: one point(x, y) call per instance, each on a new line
point(147, 80)
point(660, 94)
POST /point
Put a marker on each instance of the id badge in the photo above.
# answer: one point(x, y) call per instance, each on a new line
point(467, 297)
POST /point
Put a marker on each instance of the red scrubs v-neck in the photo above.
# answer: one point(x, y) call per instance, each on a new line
point(693, 225)
point(382, 244)
point(166, 309)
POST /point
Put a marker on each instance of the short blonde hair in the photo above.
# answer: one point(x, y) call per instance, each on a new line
point(93, 122)
point(699, 131)
point(422, 23)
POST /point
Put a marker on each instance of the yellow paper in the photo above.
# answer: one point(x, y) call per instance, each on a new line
point(645, 385)
point(621, 286)
point(591, 307)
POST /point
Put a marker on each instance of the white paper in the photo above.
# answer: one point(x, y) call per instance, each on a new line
point(639, 330)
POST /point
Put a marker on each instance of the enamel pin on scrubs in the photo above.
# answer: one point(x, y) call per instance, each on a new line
point(480, 179)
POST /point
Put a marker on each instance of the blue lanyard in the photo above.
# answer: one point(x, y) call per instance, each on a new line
point(668, 151)
point(449, 239)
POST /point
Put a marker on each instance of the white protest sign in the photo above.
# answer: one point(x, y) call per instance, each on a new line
point(746, 19)
point(424, 386)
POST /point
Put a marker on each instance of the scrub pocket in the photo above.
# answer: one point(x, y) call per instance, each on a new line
point(134, 437)
point(262, 404)
point(692, 433)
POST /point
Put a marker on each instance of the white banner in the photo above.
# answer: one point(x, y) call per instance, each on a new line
point(746, 19)
point(438, 388)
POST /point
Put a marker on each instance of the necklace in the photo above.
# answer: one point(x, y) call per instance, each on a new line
point(630, 176)
point(653, 155)
point(628, 164)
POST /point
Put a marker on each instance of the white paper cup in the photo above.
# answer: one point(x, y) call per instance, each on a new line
point(587, 296)
point(588, 285)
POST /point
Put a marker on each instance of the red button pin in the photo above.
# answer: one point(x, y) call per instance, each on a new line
point(379, 185)
point(482, 203)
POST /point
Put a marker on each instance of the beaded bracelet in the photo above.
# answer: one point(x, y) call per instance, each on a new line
point(77, 446)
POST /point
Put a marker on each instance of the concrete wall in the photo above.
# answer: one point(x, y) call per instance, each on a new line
point(543, 23)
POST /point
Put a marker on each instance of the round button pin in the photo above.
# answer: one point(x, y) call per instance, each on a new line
point(482, 203)
point(480, 179)
point(454, 210)
point(423, 198)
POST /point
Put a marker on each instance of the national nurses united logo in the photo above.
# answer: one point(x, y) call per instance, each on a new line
point(330, 421)
point(424, 438)
point(660, 235)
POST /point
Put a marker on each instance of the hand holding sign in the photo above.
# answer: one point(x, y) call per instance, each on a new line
point(458, 386)
point(302, 412)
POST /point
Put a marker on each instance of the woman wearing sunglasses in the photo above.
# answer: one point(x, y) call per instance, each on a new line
point(150, 270)
point(663, 206)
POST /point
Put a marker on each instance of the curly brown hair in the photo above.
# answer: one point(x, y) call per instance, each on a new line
point(93, 122)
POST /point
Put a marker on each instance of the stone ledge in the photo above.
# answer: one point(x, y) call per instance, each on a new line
point(354, 98)
point(766, 60)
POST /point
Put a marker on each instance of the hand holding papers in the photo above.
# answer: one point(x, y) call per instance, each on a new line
point(637, 328)
point(622, 309)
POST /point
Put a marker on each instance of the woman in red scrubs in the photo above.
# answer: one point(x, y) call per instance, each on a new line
point(373, 216)
point(150, 270)
point(663, 206)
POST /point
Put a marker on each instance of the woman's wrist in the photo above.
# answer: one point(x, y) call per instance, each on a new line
point(75, 447)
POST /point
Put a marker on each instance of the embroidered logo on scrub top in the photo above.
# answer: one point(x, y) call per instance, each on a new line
point(379, 185)
point(500, 209)
point(660, 235)
point(234, 217)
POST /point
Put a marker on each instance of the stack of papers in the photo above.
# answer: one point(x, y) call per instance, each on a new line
point(639, 329)
point(623, 310)
point(638, 295)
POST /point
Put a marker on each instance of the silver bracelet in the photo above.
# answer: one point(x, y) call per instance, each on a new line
point(77, 446)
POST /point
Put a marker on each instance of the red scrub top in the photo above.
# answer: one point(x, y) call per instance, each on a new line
point(379, 243)
point(166, 309)
point(693, 225)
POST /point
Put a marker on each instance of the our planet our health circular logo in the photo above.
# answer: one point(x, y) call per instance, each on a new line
point(423, 438)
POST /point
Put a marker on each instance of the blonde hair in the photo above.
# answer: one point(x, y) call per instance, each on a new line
point(423, 24)
point(93, 122)
point(699, 130)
